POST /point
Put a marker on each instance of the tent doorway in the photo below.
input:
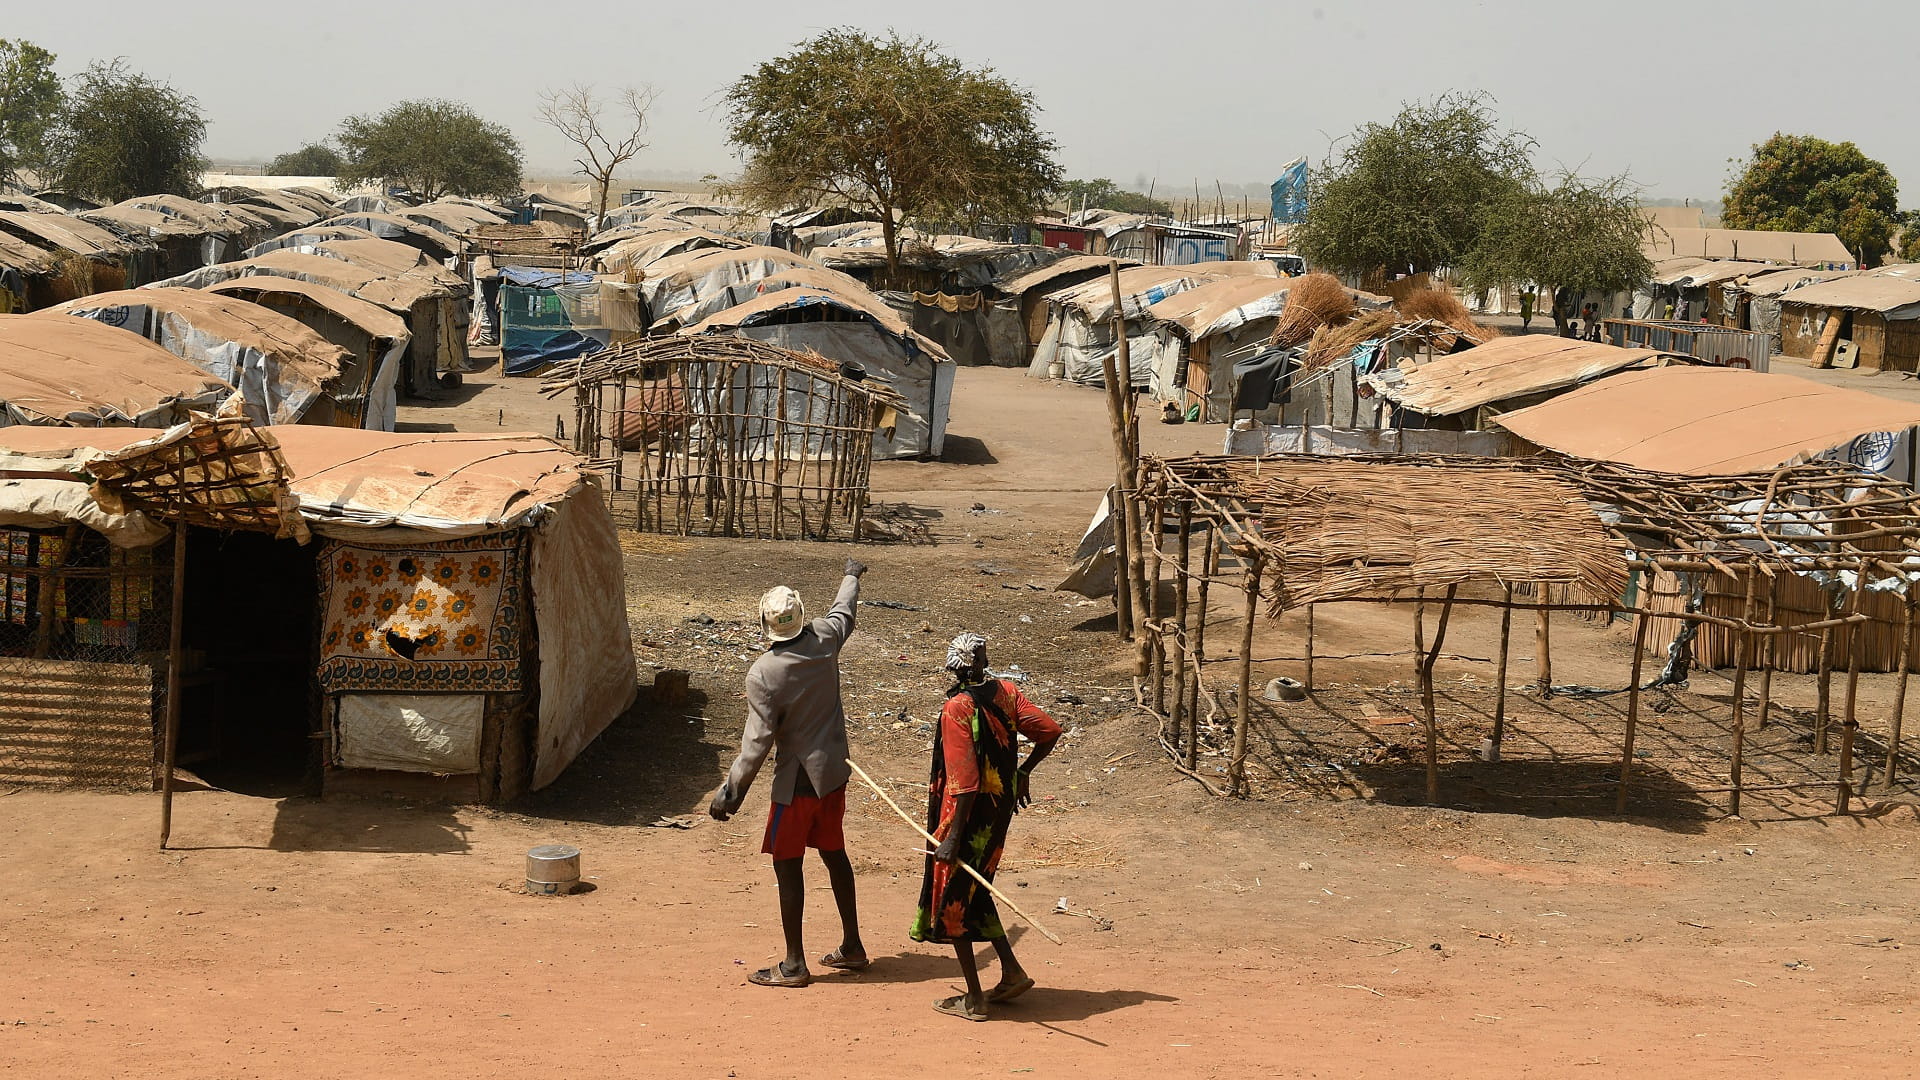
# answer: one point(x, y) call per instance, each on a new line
point(249, 703)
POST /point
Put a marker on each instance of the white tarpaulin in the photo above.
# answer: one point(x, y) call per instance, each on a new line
point(429, 733)
point(586, 656)
point(925, 382)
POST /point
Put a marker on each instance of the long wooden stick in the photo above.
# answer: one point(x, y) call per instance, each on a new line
point(962, 863)
point(170, 735)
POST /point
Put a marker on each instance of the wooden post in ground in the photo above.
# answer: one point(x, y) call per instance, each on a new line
point(1743, 647)
point(1209, 566)
point(1237, 769)
point(170, 736)
point(1309, 671)
point(1823, 702)
point(1156, 630)
point(1500, 691)
point(1772, 654)
point(1182, 723)
point(1426, 696)
point(1843, 798)
point(1543, 644)
point(1126, 436)
point(1121, 510)
point(1899, 693)
point(1633, 709)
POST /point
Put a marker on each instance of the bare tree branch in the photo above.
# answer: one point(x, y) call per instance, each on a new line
point(607, 130)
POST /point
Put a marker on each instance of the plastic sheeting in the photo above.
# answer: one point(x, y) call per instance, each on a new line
point(1262, 439)
point(586, 666)
point(427, 733)
point(921, 430)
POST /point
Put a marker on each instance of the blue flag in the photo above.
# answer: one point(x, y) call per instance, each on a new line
point(1290, 193)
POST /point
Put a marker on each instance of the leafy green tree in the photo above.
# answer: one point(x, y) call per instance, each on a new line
point(123, 134)
point(1583, 236)
point(432, 148)
point(1798, 183)
point(894, 127)
point(313, 159)
point(1411, 195)
point(1104, 194)
point(30, 102)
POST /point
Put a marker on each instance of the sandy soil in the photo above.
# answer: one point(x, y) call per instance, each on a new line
point(1331, 926)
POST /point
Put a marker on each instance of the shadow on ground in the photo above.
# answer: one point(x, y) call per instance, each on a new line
point(654, 761)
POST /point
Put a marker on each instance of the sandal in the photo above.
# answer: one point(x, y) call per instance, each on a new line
point(957, 1006)
point(1009, 991)
point(837, 959)
point(777, 976)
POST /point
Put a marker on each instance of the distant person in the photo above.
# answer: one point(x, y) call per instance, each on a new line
point(1669, 310)
point(1572, 330)
point(1526, 308)
point(793, 703)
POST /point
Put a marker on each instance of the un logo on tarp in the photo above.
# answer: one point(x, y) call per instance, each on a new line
point(1873, 451)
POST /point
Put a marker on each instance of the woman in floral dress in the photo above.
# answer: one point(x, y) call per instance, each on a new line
point(978, 784)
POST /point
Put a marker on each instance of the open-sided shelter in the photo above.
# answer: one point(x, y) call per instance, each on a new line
point(434, 614)
point(1879, 313)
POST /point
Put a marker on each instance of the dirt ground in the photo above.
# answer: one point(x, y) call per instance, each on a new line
point(1332, 925)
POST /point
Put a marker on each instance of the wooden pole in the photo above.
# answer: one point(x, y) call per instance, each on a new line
point(1633, 710)
point(1744, 646)
point(170, 737)
point(1130, 441)
point(1500, 690)
point(1824, 699)
point(1843, 798)
point(1209, 566)
point(1772, 655)
point(1426, 696)
point(928, 837)
point(1899, 693)
point(1183, 725)
point(1157, 515)
point(1237, 770)
point(1543, 645)
point(1309, 671)
point(1120, 514)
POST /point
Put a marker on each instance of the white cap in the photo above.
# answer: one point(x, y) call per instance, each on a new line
point(782, 615)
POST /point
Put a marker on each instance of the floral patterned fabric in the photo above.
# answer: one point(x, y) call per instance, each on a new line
point(974, 750)
point(441, 617)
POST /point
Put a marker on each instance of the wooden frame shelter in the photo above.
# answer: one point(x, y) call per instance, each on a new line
point(1556, 534)
point(728, 436)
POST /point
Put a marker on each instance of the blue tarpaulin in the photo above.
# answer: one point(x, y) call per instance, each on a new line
point(537, 325)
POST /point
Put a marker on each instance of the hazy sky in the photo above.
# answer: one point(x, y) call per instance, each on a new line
point(1230, 91)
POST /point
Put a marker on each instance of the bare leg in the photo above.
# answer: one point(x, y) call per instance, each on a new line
point(976, 999)
point(793, 903)
point(1014, 979)
point(840, 873)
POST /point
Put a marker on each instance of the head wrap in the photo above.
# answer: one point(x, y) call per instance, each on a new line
point(964, 652)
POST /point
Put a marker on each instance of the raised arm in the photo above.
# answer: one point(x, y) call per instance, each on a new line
point(838, 624)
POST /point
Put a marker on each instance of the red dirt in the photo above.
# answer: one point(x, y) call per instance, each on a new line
point(1307, 932)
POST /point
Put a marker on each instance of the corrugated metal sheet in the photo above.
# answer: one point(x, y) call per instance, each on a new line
point(70, 721)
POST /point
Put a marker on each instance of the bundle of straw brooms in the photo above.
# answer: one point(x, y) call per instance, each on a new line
point(1314, 301)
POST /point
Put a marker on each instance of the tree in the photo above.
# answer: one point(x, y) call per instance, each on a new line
point(607, 132)
point(30, 101)
point(1797, 183)
point(1105, 194)
point(1580, 236)
point(313, 159)
point(1410, 196)
point(123, 134)
point(894, 127)
point(431, 147)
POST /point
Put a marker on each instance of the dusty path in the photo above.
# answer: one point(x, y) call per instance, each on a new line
point(1286, 936)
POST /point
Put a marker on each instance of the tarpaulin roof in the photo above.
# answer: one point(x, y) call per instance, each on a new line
point(372, 318)
point(1710, 273)
point(457, 217)
point(1140, 288)
point(346, 480)
point(392, 227)
point(80, 372)
point(1027, 280)
point(25, 257)
point(308, 236)
point(1226, 304)
point(70, 233)
point(396, 260)
point(297, 352)
point(1780, 281)
point(1503, 368)
point(227, 219)
point(393, 293)
point(1862, 292)
point(1706, 421)
point(1777, 247)
point(862, 303)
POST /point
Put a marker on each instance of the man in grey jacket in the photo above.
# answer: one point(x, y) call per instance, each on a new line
point(793, 703)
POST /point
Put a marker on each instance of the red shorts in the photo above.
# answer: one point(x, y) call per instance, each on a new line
point(809, 821)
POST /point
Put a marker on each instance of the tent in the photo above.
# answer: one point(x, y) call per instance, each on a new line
point(377, 339)
point(1199, 333)
point(856, 328)
point(285, 373)
point(1507, 369)
point(430, 614)
point(547, 316)
point(1079, 334)
point(77, 372)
